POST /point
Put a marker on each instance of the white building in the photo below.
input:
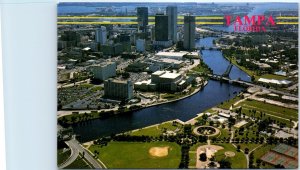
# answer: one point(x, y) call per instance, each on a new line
point(140, 45)
point(101, 35)
point(275, 82)
point(104, 71)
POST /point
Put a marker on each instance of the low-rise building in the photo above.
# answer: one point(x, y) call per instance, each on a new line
point(282, 83)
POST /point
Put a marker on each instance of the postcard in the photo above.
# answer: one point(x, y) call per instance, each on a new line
point(159, 85)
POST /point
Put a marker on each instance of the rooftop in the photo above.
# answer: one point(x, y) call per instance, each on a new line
point(170, 75)
point(172, 54)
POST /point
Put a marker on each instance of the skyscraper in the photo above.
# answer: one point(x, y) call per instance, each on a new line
point(172, 22)
point(101, 35)
point(142, 18)
point(161, 27)
point(189, 33)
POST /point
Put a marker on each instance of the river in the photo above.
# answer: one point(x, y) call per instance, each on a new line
point(212, 94)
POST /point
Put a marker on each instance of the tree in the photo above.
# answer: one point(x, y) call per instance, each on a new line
point(279, 166)
point(203, 157)
point(205, 117)
point(212, 164)
point(238, 148)
point(225, 164)
point(246, 150)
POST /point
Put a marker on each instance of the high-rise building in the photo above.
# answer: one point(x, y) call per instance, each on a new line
point(104, 71)
point(161, 27)
point(118, 90)
point(101, 35)
point(189, 33)
point(142, 18)
point(140, 45)
point(172, 22)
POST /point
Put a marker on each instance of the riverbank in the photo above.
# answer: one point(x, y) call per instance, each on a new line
point(69, 118)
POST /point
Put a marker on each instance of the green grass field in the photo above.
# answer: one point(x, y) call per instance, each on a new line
point(249, 132)
point(270, 109)
point(238, 161)
point(79, 163)
point(62, 156)
point(228, 103)
point(272, 76)
point(250, 146)
point(193, 157)
point(136, 155)
point(157, 129)
point(224, 133)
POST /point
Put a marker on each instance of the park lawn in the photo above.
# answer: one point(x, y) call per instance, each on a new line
point(250, 146)
point(62, 156)
point(192, 157)
point(171, 96)
point(136, 155)
point(270, 109)
point(224, 133)
point(272, 76)
point(79, 163)
point(227, 104)
point(248, 113)
point(238, 161)
point(156, 130)
point(250, 130)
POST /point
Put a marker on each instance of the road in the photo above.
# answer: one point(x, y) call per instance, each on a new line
point(215, 76)
point(76, 148)
point(74, 154)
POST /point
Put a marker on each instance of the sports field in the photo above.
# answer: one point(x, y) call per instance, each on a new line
point(139, 155)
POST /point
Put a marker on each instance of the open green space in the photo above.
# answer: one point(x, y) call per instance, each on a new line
point(227, 104)
point(247, 112)
point(250, 146)
point(62, 156)
point(238, 161)
point(224, 133)
point(249, 132)
point(79, 163)
point(157, 130)
point(136, 155)
point(193, 157)
point(283, 112)
point(273, 76)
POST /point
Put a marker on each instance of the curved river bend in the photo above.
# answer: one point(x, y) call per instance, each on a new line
point(211, 95)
